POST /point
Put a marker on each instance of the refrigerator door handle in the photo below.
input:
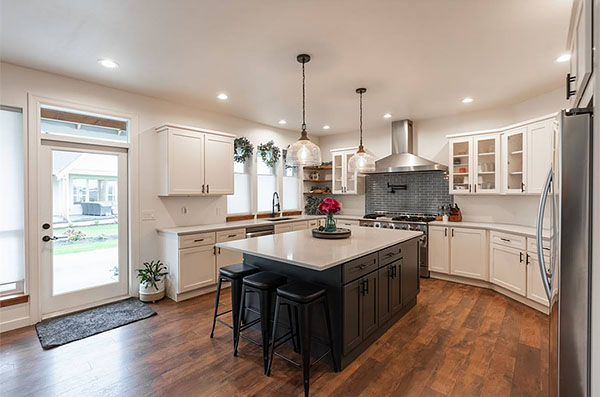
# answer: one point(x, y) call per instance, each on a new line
point(546, 275)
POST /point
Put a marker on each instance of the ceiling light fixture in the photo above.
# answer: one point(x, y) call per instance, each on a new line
point(303, 152)
point(563, 58)
point(108, 63)
point(387, 116)
point(467, 100)
point(361, 161)
point(222, 96)
point(326, 127)
point(282, 122)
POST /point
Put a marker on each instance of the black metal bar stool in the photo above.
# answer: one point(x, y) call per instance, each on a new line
point(234, 274)
point(302, 297)
point(264, 285)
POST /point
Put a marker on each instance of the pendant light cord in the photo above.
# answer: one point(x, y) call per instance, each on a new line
point(303, 99)
point(361, 123)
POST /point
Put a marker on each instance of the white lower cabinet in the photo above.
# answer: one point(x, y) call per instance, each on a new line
point(439, 249)
point(299, 225)
point(346, 222)
point(227, 257)
point(284, 228)
point(535, 286)
point(508, 268)
point(468, 253)
point(196, 268)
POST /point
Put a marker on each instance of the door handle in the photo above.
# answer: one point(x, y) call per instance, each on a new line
point(547, 276)
point(570, 79)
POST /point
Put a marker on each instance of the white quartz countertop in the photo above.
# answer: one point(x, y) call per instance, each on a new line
point(300, 248)
point(499, 227)
point(182, 230)
point(235, 225)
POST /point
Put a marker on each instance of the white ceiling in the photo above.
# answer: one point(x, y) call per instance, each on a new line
point(417, 59)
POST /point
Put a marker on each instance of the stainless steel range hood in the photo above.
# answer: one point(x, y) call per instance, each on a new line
point(402, 159)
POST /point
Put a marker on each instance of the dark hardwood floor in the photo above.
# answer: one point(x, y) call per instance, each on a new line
point(459, 340)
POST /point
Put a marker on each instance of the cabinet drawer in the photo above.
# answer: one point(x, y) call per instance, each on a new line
point(347, 222)
point(508, 240)
point(196, 240)
point(313, 224)
point(299, 225)
point(390, 254)
point(230, 235)
point(532, 245)
point(359, 267)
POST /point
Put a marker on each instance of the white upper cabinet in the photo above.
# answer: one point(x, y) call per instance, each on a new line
point(343, 181)
point(475, 164)
point(514, 164)
point(540, 144)
point(513, 160)
point(579, 91)
point(461, 159)
point(219, 165)
point(194, 162)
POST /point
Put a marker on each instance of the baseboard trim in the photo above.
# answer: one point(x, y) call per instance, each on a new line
point(484, 284)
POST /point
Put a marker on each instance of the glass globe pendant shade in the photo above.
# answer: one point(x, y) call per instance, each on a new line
point(361, 161)
point(304, 153)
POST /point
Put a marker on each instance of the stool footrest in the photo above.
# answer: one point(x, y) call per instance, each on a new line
point(224, 323)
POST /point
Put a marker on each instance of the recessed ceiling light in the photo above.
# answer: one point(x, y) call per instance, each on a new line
point(563, 58)
point(222, 96)
point(108, 63)
point(467, 100)
point(282, 122)
point(326, 127)
point(387, 116)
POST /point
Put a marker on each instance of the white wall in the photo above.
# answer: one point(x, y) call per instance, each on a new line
point(430, 142)
point(16, 82)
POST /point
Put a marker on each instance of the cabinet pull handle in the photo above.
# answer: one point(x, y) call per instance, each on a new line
point(570, 79)
point(198, 240)
point(522, 187)
point(232, 235)
point(452, 232)
point(527, 257)
point(207, 188)
point(366, 286)
point(214, 250)
point(505, 239)
point(445, 232)
point(390, 255)
point(521, 257)
point(362, 266)
point(469, 188)
point(202, 188)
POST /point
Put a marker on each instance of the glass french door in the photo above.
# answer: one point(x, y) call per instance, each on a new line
point(83, 230)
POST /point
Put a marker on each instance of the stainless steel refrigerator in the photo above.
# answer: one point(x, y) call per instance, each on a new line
point(566, 203)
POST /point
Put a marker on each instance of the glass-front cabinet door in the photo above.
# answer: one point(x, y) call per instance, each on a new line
point(514, 145)
point(351, 184)
point(337, 172)
point(486, 164)
point(461, 175)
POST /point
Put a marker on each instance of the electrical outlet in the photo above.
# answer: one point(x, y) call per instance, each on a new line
point(148, 215)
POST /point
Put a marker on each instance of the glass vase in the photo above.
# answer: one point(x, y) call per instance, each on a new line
point(330, 224)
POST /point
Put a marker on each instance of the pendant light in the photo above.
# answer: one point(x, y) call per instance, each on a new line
point(303, 152)
point(361, 161)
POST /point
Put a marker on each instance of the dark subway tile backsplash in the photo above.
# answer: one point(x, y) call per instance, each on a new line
point(426, 192)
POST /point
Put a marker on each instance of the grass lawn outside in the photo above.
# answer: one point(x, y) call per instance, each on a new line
point(110, 232)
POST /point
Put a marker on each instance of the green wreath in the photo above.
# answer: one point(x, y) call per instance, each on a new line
point(269, 153)
point(242, 149)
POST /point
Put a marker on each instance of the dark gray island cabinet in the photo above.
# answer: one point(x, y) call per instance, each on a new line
point(367, 293)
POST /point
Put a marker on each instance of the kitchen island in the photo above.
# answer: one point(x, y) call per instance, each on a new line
point(372, 279)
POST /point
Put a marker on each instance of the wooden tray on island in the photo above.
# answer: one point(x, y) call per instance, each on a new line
point(340, 233)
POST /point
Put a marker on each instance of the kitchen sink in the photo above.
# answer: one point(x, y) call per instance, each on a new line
point(279, 219)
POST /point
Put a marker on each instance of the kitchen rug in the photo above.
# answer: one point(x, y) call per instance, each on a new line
point(60, 330)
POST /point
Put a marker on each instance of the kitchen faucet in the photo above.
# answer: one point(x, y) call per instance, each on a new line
point(275, 196)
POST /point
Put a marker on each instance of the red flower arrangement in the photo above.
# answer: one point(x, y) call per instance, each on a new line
point(330, 206)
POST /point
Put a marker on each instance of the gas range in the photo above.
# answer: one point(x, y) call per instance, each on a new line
point(404, 221)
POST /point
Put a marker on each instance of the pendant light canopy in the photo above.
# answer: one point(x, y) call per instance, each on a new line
point(303, 152)
point(361, 161)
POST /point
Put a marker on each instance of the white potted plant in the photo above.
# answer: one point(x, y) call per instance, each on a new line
point(152, 281)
